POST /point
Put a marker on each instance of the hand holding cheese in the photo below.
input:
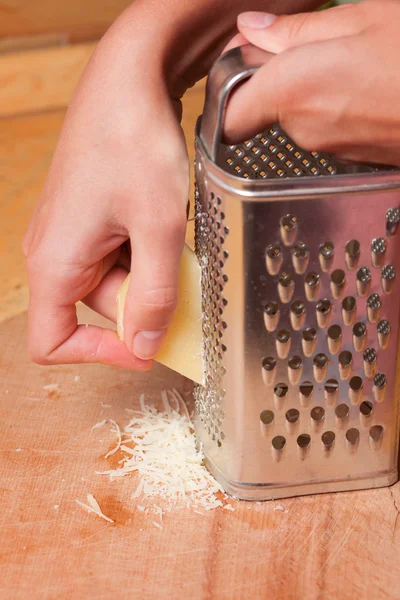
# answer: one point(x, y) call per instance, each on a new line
point(181, 349)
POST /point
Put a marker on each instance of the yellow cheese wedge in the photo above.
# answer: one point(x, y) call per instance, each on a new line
point(181, 350)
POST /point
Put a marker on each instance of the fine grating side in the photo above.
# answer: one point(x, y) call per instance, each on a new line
point(211, 231)
point(273, 154)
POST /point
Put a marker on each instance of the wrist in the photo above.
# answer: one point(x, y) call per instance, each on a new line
point(178, 42)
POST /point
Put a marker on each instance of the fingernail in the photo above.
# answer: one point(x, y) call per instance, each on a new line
point(146, 344)
point(256, 20)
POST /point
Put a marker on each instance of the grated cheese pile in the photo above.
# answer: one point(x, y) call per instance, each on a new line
point(160, 447)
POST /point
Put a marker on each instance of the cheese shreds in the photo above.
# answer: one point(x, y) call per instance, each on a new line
point(118, 432)
point(94, 507)
point(157, 525)
point(100, 424)
point(160, 447)
point(51, 386)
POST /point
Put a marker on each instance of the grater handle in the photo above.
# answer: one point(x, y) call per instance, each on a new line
point(229, 70)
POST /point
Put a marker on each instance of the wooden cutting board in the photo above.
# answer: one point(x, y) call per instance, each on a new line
point(332, 546)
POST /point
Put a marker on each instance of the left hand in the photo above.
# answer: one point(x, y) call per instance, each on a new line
point(333, 85)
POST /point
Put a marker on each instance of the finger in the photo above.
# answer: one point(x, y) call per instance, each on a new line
point(103, 298)
point(286, 89)
point(242, 120)
point(153, 290)
point(81, 343)
point(237, 40)
point(53, 332)
point(276, 34)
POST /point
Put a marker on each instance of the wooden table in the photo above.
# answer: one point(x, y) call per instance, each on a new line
point(332, 546)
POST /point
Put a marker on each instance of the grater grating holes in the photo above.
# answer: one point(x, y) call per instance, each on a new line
point(334, 338)
point(379, 387)
point(383, 330)
point(338, 282)
point(271, 315)
point(306, 391)
point(388, 275)
point(328, 440)
point(283, 343)
point(309, 341)
point(331, 391)
point(366, 410)
point(378, 251)
point(297, 314)
point(352, 254)
point(300, 257)
point(209, 398)
point(320, 367)
point(285, 287)
point(273, 258)
point(326, 255)
point(311, 286)
point(353, 438)
point(273, 154)
point(295, 367)
point(392, 221)
point(342, 412)
point(355, 389)
point(317, 414)
point(349, 308)
point(324, 311)
point(363, 281)
point(373, 307)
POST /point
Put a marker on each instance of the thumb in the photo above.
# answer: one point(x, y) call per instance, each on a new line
point(153, 289)
point(276, 34)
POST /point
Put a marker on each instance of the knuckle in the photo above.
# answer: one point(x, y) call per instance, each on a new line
point(38, 355)
point(159, 299)
point(294, 27)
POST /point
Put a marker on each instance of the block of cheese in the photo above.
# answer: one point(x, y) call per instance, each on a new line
point(181, 350)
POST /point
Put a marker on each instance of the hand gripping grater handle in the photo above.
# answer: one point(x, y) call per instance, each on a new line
point(232, 68)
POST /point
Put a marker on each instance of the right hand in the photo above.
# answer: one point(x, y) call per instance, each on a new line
point(333, 82)
point(120, 172)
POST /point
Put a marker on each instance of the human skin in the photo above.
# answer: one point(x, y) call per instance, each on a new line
point(336, 80)
point(116, 194)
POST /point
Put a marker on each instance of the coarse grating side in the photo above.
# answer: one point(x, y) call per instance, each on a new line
point(300, 256)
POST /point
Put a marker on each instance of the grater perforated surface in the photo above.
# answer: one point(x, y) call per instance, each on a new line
point(211, 232)
point(273, 154)
point(317, 299)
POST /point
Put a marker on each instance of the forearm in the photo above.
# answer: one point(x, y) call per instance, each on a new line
point(184, 38)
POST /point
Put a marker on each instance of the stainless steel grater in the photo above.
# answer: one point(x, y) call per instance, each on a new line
point(299, 257)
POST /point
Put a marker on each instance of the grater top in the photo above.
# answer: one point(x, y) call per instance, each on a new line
point(273, 155)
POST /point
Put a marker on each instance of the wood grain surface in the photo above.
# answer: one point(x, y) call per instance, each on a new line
point(78, 20)
point(42, 79)
point(333, 546)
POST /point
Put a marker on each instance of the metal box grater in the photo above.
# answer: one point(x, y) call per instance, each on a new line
point(299, 256)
